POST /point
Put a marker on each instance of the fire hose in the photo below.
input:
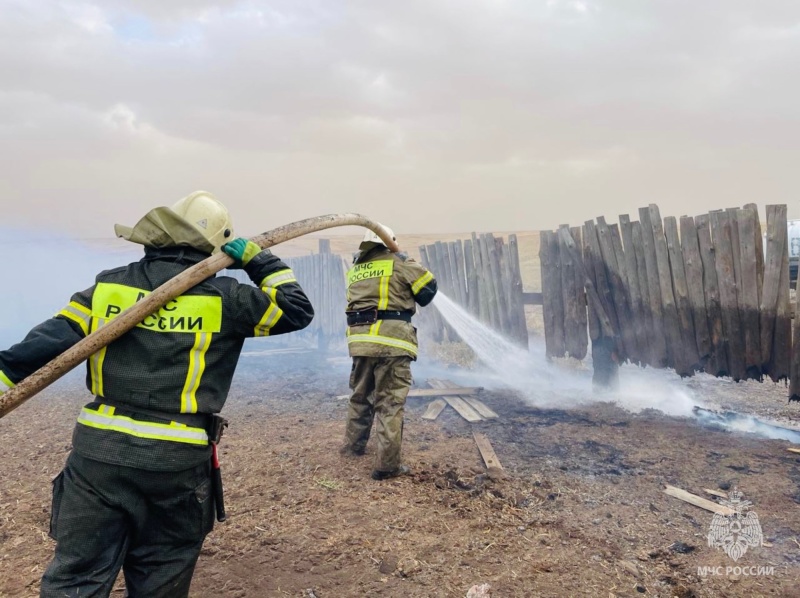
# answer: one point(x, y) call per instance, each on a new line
point(168, 291)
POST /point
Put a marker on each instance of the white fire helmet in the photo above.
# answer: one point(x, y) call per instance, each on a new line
point(211, 219)
point(371, 237)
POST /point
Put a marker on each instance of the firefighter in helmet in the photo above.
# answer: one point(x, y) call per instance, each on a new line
point(383, 289)
point(136, 491)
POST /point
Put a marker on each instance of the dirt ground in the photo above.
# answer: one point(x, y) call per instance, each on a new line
point(578, 511)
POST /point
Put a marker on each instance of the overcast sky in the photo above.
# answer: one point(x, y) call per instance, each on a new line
point(428, 115)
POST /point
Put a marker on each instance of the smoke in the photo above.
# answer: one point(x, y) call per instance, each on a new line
point(738, 422)
point(40, 272)
point(547, 385)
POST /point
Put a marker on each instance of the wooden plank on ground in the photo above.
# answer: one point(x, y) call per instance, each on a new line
point(463, 409)
point(455, 389)
point(716, 493)
point(481, 407)
point(793, 450)
point(456, 402)
point(487, 451)
point(698, 501)
point(440, 392)
point(435, 407)
point(437, 392)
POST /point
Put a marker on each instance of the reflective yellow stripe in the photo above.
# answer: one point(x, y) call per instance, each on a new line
point(187, 313)
point(382, 340)
point(197, 365)
point(96, 362)
point(5, 380)
point(268, 320)
point(79, 314)
point(421, 282)
point(369, 270)
point(278, 278)
point(104, 419)
point(383, 293)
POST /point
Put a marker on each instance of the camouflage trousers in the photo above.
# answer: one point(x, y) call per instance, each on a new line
point(380, 386)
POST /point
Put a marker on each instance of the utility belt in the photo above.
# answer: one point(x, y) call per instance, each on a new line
point(370, 316)
point(211, 423)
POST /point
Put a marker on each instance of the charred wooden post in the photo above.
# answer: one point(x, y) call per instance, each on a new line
point(572, 298)
point(693, 267)
point(473, 304)
point(646, 324)
point(604, 356)
point(681, 289)
point(616, 289)
point(631, 270)
point(491, 290)
point(780, 364)
point(748, 293)
point(794, 380)
point(726, 276)
point(679, 362)
point(552, 307)
point(717, 364)
point(773, 267)
point(590, 280)
point(515, 290)
point(602, 285)
point(658, 342)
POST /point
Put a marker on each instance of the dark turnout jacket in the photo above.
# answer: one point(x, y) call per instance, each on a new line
point(156, 385)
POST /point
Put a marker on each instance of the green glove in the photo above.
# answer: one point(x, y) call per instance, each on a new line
point(242, 251)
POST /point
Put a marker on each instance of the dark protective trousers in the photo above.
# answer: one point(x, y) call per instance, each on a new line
point(380, 386)
point(149, 523)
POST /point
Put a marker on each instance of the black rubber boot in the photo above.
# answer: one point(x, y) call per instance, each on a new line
point(385, 475)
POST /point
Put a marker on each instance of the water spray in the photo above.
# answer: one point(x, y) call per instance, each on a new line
point(129, 318)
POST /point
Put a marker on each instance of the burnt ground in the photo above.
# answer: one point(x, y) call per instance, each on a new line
point(579, 510)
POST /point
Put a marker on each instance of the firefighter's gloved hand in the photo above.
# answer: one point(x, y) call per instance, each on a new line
point(242, 251)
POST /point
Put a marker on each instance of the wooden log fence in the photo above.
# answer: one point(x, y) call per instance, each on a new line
point(693, 294)
point(482, 275)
